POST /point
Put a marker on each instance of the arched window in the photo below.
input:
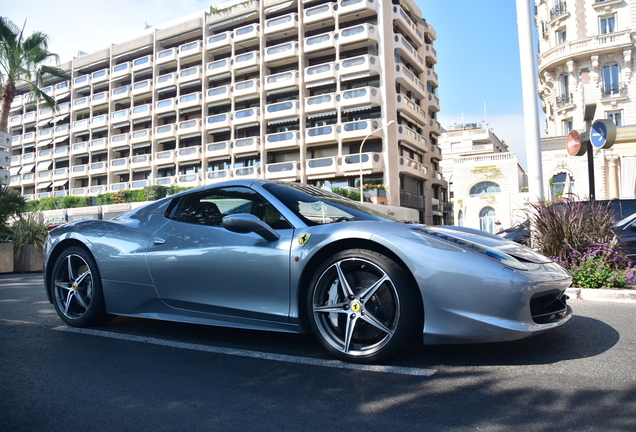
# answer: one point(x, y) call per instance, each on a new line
point(460, 218)
point(487, 218)
point(485, 187)
point(560, 184)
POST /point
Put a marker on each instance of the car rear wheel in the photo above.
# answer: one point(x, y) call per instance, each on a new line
point(77, 290)
point(362, 306)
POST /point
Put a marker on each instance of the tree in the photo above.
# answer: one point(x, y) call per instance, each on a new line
point(11, 204)
point(23, 63)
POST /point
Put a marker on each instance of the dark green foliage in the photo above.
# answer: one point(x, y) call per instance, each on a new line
point(11, 204)
point(348, 193)
point(153, 193)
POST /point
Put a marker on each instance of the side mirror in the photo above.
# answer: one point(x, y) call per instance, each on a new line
point(244, 223)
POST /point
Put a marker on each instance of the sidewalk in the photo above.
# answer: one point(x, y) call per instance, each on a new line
point(607, 295)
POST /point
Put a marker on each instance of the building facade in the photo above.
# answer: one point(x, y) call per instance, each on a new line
point(487, 184)
point(315, 91)
point(587, 43)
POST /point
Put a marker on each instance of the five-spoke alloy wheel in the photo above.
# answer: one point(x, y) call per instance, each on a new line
point(76, 289)
point(362, 306)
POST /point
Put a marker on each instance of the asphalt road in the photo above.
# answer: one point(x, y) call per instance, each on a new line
point(138, 375)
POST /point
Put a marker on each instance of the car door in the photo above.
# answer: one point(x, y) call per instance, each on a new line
point(198, 265)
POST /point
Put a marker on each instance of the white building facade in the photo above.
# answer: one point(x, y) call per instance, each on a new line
point(581, 43)
point(487, 184)
point(283, 90)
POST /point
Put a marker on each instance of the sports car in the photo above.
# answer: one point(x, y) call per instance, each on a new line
point(295, 258)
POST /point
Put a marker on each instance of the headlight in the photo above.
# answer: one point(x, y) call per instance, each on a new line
point(492, 253)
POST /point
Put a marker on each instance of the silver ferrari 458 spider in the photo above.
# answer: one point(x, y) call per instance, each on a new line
point(294, 258)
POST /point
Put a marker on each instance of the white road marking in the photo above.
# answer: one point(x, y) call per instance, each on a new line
point(252, 354)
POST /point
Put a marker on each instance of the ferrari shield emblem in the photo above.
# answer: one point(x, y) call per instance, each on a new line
point(303, 239)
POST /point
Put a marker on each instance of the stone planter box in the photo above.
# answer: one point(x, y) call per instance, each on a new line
point(30, 260)
point(6, 258)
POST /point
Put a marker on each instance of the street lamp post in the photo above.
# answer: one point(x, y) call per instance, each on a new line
point(361, 145)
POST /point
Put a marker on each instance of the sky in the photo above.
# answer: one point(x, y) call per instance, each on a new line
point(477, 46)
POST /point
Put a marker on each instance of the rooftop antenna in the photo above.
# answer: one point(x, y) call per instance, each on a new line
point(462, 114)
point(485, 117)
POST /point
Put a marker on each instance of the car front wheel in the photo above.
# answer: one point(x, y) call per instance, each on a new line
point(76, 289)
point(362, 306)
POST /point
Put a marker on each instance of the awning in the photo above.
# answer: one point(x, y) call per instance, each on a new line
point(357, 108)
point(190, 163)
point(165, 89)
point(166, 166)
point(223, 129)
point(44, 122)
point(142, 169)
point(100, 129)
point(355, 76)
point(219, 158)
point(247, 125)
point(625, 149)
point(121, 148)
point(60, 118)
point(82, 133)
point(283, 120)
point(142, 120)
point(279, 7)
point(44, 143)
point(27, 168)
point(43, 185)
point(14, 170)
point(166, 140)
point(62, 96)
point(320, 82)
point(189, 110)
point(221, 102)
point(191, 135)
point(282, 90)
point(323, 114)
point(246, 155)
point(142, 145)
point(231, 20)
point(167, 114)
point(44, 165)
point(411, 119)
point(60, 139)
point(58, 183)
point(121, 125)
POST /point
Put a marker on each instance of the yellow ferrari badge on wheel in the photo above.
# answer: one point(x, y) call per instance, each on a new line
point(303, 239)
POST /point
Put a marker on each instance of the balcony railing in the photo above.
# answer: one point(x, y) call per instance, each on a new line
point(559, 9)
point(563, 100)
point(614, 90)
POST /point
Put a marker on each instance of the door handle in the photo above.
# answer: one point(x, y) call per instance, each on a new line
point(158, 241)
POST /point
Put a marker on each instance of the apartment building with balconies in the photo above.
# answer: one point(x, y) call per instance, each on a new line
point(586, 43)
point(282, 90)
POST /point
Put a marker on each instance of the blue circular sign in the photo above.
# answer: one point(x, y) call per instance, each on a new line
point(603, 133)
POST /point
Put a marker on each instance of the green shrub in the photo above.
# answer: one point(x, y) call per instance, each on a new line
point(28, 229)
point(348, 193)
point(11, 204)
point(153, 193)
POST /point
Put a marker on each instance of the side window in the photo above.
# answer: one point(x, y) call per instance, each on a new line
point(209, 207)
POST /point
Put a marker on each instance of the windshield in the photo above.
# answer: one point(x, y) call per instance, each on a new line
point(319, 206)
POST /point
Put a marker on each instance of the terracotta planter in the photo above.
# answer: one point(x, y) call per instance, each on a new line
point(30, 260)
point(6, 258)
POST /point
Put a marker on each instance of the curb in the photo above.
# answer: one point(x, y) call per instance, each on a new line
point(606, 295)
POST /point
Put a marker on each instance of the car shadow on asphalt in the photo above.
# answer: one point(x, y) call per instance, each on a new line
point(582, 337)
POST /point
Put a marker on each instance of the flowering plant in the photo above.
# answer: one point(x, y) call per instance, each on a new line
point(374, 186)
point(600, 266)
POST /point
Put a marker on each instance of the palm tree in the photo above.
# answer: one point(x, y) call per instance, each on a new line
point(23, 63)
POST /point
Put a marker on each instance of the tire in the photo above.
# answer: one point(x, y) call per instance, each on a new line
point(369, 318)
point(76, 289)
